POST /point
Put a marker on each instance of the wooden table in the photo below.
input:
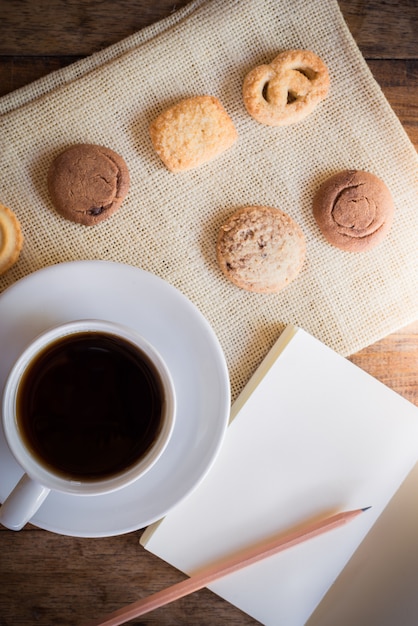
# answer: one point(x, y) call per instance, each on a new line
point(48, 579)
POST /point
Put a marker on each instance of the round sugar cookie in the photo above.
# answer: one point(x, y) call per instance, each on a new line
point(88, 183)
point(11, 238)
point(260, 249)
point(354, 210)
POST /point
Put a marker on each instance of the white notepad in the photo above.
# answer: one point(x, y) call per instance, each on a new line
point(311, 434)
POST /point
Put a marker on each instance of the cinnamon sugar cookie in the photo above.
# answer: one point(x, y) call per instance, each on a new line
point(192, 132)
point(88, 183)
point(260, 249)
point(286, 90)
point(354, 210)
point(11, 239)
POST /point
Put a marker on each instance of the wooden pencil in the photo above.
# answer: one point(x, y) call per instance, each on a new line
point(229, 565)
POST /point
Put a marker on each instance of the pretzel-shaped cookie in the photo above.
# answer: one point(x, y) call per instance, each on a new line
point(287, 90)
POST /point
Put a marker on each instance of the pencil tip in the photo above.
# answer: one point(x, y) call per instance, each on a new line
point(366, 508)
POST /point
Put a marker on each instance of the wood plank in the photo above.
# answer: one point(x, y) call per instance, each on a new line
point(58, 27)
point(399, 82)
point(18, 71)
point(394, 361)
point(51, 579)
point(375, 24)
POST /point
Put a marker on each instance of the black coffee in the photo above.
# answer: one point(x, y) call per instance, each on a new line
point(90, 405)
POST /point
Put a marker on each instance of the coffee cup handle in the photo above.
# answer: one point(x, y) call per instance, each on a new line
point(22, 503)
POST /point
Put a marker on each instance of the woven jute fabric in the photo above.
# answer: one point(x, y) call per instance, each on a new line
point(168, 224)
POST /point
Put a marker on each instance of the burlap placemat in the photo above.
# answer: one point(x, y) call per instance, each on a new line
point(168, 223)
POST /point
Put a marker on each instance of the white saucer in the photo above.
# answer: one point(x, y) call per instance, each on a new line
point(117, 292)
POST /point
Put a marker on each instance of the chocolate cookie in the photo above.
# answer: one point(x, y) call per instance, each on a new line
point(88, 183)
point(260, 249)
point(11, 239)
point(354, 210)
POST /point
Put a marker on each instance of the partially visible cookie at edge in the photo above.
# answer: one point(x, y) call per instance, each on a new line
point(192, 132)
point(87, 183)
point(354, 210)
point(11, 238)
point(260, 249)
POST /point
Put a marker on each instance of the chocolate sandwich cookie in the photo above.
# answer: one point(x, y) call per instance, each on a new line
point(11, 238)
point(260, 249)
point(354, 210)
point(88, 183)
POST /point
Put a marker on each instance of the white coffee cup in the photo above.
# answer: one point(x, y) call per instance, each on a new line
point(131, 438)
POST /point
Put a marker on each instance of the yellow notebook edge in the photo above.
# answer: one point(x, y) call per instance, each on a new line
point(275, 351)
